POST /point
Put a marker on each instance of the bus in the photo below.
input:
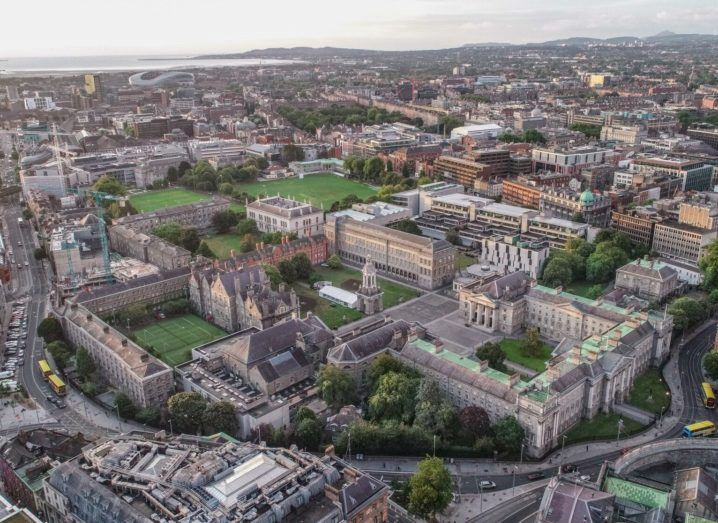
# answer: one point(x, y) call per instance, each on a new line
point(709, 397)
point(57, 385)
point(45, 369)
point(700, 429)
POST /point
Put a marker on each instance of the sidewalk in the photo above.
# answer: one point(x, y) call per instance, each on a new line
point(470, 506)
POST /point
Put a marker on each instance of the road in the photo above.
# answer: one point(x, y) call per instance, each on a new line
point(690, 358)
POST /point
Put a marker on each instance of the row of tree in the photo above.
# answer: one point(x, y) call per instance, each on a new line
point(310, 120)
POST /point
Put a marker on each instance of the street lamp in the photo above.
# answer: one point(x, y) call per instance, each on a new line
point(563, 444)
point(620, 425)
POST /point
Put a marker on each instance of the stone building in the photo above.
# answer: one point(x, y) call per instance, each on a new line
point(240, 298)
point(370, 296)
point(278, 214)
point(197, 215)
point(355, 355)
point(566, 203)
point(146, 380)
point(148, 248)
point(417, 260)
point(148, 290)
point(648, 279)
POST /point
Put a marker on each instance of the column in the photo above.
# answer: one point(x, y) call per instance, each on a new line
point(487, 317)
point(495, 319)
point(480, 315)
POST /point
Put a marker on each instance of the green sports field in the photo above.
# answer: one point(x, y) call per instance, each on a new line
point(320, 188)
point(152, 200)
point(174, 338)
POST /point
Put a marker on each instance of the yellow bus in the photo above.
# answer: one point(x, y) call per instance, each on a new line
point(709, 397)
point(700, 429)
point(45, 369)
point(57, 385)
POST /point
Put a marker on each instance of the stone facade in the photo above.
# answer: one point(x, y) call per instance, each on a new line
point(277, 214)
point(370, 296)
point(149, 290)
point(417, 260)
point(146, 380)
point(648, 279)
point(240, 298)
point(197, 215)
point(148, 248)
point(315, 247)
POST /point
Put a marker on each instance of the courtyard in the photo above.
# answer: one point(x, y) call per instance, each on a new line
point(173, 339)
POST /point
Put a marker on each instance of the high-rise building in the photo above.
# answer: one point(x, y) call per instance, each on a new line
point(93, 86)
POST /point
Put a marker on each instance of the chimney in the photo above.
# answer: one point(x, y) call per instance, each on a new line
point(73, 307)
point(514, 379)
point(256, 246)
point(144, 357)
point(438, 345)
point(89, 317)
point(483, 365)
point(106, 329)
point(124, 342)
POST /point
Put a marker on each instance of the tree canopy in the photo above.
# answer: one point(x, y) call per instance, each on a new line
point(336, 387)
point(187, 411)
point(430, 489)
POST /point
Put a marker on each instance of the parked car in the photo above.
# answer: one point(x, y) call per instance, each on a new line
point(535, 475)
point(485, 484)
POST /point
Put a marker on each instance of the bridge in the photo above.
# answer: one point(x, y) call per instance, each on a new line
point(680, 451)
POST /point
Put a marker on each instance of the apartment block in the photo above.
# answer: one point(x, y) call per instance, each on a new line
point(461, 171)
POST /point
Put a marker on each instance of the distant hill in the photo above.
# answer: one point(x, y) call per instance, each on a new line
point(668, 38)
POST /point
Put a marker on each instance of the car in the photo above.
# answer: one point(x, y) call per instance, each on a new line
point(21, 363)
point(585, 477)
point(568, 467)
point(19, 243)
point(60, 404)
point(485, 484)
point(535, 475)
point(49, 398)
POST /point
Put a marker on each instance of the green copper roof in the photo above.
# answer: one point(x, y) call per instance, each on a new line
point(628, 490)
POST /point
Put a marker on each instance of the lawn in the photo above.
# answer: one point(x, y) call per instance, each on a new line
point(603, 426)
point(222, 244)
point(174, 338)
point(581, 288)
point(650, 392)
point(321, 188)
point(152, 200)
point(512, 348)
point(332, 314)
point(463, 260)
point(349, 279)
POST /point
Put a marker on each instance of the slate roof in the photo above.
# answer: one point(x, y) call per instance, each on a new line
point(572, 503)
point(369, 344)
point(355, 494)
point(649, 269)
point(282, 364)
point(506, 285)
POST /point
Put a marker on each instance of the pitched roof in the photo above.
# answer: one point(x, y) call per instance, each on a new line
point(355, 494)
point(369, 343)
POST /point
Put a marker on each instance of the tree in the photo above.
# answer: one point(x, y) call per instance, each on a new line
point(247, 227)
point(149, 416)
point(133, 313)
point(452, 236)
point(710, 363)
point(172, 174)
point(190, 239)
point(383, 364)
point(475, 421)
point(557, 271)
point(224, 221)
point(595, 291)
point(287, 270)
point(187, 411)
point(40, 253)
point(61, 353)
point(205, 250)
point(221, 417)
point(373, 167)
point(508, 434)
point(408, 226)
point(709, 266)
point(589, 130)
point(532, 345)
point(336, 387)
point(302, 266)
point(292, 153)
point(172, 232)
point(534, 136)
point(273, 274)
point(90, 389)
point(50, 329)
point(109, 185)
point(125, 408)
point(84, 363)
point(687, 312)
point(433, 412)
point(430, 489)
point(308, 433)
point(493, 353)
point(226, 188)
point(448, 123)
point(334, 262)
point(394, 398)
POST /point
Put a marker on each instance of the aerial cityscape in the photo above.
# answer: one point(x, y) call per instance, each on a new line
point(413, 261)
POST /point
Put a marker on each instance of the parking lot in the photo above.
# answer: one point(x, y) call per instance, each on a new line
point(14, 351)
point(441, 316)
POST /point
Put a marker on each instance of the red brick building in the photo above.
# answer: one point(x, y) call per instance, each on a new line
point(315, 247)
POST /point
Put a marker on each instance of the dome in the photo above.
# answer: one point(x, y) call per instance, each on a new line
point(587, 197)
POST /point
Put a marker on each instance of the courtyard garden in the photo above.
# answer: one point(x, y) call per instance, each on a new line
point(603, 426)
point(514, 350)
point(650, 392)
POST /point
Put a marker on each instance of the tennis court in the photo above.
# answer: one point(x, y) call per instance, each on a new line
point(174, 338)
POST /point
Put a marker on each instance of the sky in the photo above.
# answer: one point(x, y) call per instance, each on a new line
point(189, 27)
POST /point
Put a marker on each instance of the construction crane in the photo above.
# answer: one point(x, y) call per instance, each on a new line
point(99, 198)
